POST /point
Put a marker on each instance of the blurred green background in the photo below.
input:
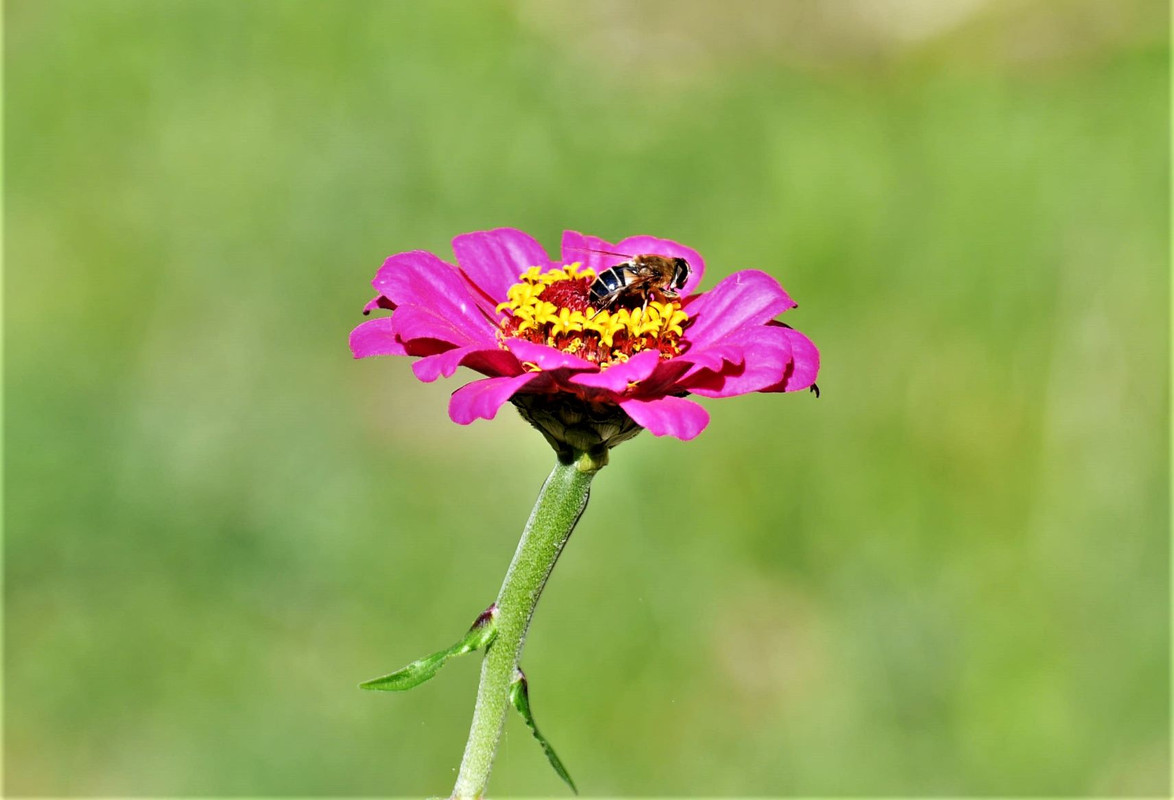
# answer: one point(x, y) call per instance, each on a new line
point(948, 576)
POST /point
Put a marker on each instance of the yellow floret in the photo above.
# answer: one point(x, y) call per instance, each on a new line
point(639, 322)
point(545, 312)
point(673, 319)
point(520, 296)
point(597, 321)
point(611, 326)
point(668, 316)
point(522, 293)
point(576, 270)
point(531, 275)
point(567, 272)
point(650, 324)
point(526, 315)
point(567, 321)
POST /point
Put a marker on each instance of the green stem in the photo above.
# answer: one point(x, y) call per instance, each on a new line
point(560, 504)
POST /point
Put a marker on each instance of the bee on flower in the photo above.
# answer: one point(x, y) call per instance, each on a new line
point(592, 346)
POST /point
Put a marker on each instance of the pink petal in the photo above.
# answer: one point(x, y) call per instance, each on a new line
point(617, 377)
point(443, 364)
point(715, 355)
point(668, 416)
point(584, 249)
point(766, 359)
point(804, 368)
point(418, 322)
point(494, 363)
point(376, 337)
point(664, 378)
point(494, 260)
point(481, 399)
point(669, 374)
point(378, 301)
point(435, 288)
point(422, 348)
point(666, 247)
point(547, 358)
point(749, 297)
point(805, 357)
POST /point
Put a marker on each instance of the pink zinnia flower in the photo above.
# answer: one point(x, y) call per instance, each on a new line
point(582, 375)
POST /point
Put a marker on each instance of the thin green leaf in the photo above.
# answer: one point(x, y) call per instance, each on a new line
point(481, 634)
point(520, 697)
point(413, 674)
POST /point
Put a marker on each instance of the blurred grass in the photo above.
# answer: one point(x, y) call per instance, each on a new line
point(948, 576)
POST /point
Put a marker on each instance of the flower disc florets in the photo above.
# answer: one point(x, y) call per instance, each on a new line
point(587, 377)
point(553, 308)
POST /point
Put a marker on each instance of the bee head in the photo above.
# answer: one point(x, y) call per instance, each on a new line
point(680, 273)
